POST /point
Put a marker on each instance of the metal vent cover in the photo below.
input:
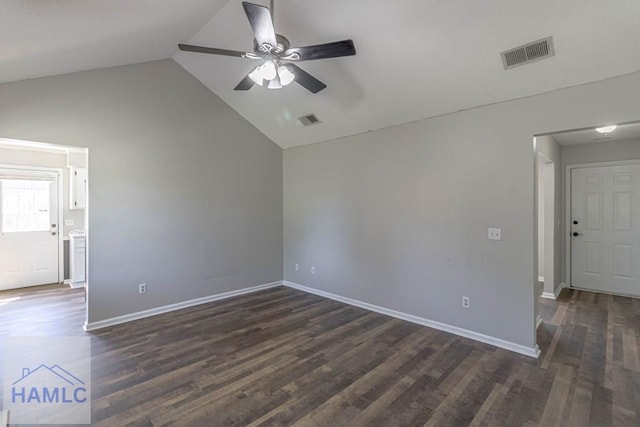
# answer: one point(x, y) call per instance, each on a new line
point(309, 120)
point(527, 53)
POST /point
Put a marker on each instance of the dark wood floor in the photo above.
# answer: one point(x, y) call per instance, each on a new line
point(283, 357)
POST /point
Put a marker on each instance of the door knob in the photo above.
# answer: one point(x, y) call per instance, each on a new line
point(575, 222)
point(576, 234)
point(53, 233)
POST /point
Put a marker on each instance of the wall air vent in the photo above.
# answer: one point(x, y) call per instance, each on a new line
point(527, 53)
point(309, 120)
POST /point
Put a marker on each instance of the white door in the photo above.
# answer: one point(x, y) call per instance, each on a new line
point(28, 228)
point(605, 229)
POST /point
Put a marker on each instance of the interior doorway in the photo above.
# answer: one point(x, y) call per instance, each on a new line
point(597, 209)
point(43, 205)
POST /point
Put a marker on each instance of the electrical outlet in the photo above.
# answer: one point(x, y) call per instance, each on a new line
point(313, 270)
point(69, 222)
point(465, 302)
point(495, 234)
point(297, 267)
point(142, 288)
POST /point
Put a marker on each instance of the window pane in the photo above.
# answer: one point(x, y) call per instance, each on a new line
point(25, 205)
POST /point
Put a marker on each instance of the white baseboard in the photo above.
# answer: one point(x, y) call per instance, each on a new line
point(540, 279)
point(92, 326)
point(554, 295)
point(497, 342)
point(4, 418)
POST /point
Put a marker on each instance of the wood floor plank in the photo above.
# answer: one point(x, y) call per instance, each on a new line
point(284, 357)
point(558, 396)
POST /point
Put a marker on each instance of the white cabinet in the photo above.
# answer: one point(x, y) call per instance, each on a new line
point(77, 257)
point(78, 194)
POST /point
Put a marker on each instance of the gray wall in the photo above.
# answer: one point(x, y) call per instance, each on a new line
point(398, 217)
point(590, 153)
point(184, 194)
point(601, 152)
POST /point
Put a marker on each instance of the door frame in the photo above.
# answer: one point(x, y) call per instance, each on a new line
point(567, 179)
point(59, 172)
point(546, 168)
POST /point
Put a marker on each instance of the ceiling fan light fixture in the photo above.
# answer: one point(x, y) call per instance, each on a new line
point(269, 70)
point(256, 75)
point(265, 71)
point(274, 84)
point(286, 76)
point(606, 129)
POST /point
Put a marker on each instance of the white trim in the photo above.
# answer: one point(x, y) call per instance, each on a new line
point(540, 279)
point(86, 237)
point(39, 146)
point(567, 203)
point(497, 342)
point(549, 295)
point(92, 326)
point(4, 421)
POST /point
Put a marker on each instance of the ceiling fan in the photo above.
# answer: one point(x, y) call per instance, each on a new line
point(273, 49)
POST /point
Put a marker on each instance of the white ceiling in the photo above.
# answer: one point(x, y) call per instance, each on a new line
point(48, 37)
point(588, 136)
point(416, 58)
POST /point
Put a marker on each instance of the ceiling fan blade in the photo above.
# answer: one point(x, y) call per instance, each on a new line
point(261, 23)
point(245, 84)
point(321, 51)
point(305, 79)
point(212, 50)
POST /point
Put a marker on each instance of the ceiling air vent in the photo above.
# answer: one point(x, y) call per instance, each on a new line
point(309, 120)
point(527, 53)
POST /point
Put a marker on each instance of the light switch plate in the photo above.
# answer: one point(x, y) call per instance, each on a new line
point(495, 234)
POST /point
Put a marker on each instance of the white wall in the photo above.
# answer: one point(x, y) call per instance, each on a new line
point(184, 194)
point(398, 217)
point(22, 157)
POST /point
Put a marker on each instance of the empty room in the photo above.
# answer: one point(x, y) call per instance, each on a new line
point(411, 213)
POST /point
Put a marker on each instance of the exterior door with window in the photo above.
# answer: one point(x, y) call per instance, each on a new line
point(28, 228)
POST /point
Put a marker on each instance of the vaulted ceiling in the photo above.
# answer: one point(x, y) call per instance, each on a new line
point(416, 58)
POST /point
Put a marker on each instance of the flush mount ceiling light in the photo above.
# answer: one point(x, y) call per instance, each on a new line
point(606, 129)
point(272, 49)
